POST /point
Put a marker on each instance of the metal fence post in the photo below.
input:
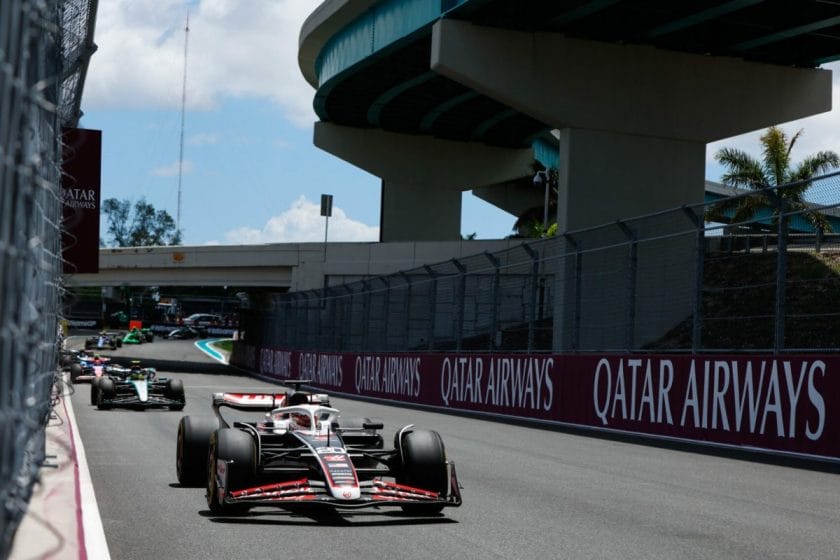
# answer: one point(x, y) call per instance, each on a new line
point(633, 258)
point(315, 307)
point(781, 275)
point(348, 320)
point(699, 262)
point(433, 307)
point(385, 313)
point(407, 307)
point(460, 296)
point(532, 312)
point(365, 315)
point(494, 297)
point(578, 273)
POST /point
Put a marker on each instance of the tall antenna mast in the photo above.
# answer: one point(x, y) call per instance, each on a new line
point(183, 113)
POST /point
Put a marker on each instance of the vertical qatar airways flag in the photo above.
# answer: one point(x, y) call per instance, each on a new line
point(81, 172)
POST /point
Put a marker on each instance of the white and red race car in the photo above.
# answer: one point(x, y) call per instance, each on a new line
point(304, 453)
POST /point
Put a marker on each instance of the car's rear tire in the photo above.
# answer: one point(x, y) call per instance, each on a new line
point(193, 446)
point(230, 444)
point(75, 372)
point(94, 390)
point(119, 343)
point(175, 392)
point(105, 392)
point(423, 466)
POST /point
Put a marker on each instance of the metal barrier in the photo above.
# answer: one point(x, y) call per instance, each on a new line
point(40, 85)
point(669, 281)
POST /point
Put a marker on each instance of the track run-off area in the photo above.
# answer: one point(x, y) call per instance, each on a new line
point(528, 492)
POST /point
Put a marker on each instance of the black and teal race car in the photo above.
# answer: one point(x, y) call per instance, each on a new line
point(136, 387)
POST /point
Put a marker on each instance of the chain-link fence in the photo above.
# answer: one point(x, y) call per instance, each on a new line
point(671, 281)
point(40, 85)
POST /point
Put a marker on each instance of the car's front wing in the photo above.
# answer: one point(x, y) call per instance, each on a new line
point(134, 401)
point(374, 493)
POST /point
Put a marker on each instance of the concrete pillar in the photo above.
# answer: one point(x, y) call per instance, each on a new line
point(607, 177)
point(422, 177)
point(413, 212)
point(634, 122)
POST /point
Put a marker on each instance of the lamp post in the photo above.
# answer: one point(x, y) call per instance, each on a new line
point(326, 211)
point(540, 179)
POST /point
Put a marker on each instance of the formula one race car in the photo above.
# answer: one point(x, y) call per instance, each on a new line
point(305, 454)
point(104, 340)
point(84, 366)
point(136, 387)
point(183, 333)
point(138, 336)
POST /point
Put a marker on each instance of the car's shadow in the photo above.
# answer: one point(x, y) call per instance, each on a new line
point(328, 518)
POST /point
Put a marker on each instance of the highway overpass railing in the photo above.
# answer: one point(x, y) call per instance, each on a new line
point(674, 281)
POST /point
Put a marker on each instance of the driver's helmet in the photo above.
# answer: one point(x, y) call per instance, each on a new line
point(300, 420)
point(97, 359)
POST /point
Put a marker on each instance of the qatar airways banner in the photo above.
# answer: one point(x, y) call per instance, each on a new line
point(789, 404)
point(81, 175)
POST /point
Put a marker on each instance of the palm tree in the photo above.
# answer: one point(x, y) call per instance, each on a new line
point(774, 169)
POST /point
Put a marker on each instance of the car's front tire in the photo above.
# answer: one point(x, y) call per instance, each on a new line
point(239, 451)
point(94, 390)
point(105, 392)
point(423, 466)
point(75, 372)
point(175, 392)
point(192, 450)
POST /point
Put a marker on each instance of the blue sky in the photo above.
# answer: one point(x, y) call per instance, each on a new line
point(251, 173)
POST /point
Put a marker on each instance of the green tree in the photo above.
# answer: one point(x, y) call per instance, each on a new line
point(773, 169)
point(140, 226)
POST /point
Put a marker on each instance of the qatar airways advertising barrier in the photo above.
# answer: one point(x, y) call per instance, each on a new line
point(784, 404)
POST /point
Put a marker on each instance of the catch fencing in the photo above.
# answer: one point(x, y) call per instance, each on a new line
point(673, 281)
point(41, 76)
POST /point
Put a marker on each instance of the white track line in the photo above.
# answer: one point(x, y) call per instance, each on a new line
point(96, 546)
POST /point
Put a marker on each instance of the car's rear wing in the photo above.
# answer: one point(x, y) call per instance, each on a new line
point(254, 402)
point(262, 402)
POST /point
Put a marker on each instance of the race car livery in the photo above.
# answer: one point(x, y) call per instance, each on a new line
point(138, 336)
point(303, 453)
point(85, 367)
point(136, 387)
point(104, 340)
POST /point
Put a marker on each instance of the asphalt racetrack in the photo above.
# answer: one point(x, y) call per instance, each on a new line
point(528, 493)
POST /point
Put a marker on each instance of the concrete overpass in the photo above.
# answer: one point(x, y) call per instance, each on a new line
point(292, 266)
point(436, 98)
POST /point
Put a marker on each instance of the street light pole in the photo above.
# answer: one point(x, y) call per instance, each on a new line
point(326, 211)
point(541, 178)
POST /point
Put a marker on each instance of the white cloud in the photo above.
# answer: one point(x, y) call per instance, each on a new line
point(203, 139)
point(820, 132)
point(236, 48)
point(171, 170)
point(303, 222)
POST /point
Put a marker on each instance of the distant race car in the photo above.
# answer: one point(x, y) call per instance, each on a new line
point(104, 340)
point(138, 336)
point(183, 333)
point(136, 387)
point(84, 366)
point(303, 453)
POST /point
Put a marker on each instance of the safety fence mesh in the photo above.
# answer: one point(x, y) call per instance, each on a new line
point(688, 279)
point(40, 84)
